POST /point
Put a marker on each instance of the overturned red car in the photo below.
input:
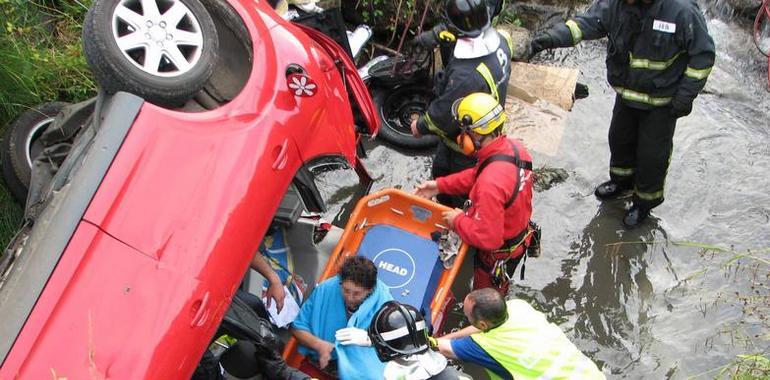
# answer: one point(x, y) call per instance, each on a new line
point(131, 252)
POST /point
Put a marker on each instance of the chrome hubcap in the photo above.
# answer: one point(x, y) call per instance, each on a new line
point(160, 37)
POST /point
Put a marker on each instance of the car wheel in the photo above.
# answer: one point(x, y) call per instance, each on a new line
point(396, 109)
point(161, 50)
point(21, 145)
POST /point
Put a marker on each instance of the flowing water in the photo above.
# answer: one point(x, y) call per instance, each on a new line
point(645, 303)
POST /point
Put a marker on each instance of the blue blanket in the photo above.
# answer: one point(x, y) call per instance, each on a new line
point(324, 313)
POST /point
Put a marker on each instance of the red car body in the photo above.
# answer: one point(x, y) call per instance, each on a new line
point(164, 242)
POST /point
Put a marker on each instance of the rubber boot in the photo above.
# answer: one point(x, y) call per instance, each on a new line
point(610, 190)
point(635, 215)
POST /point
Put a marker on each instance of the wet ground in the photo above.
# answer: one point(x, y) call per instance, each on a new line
point(647, 303)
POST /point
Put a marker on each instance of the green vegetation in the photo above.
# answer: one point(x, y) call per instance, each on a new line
point(10, 217)
point(41, 57)
point(41, 60)
point(752, 332)
point(749, 272)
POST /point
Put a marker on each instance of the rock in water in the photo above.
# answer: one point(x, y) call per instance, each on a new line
point(545, 177)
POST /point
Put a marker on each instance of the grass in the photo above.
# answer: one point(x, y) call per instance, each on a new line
point(754, 302)
point(41, 60)
point(41, 57)
point(10, 217)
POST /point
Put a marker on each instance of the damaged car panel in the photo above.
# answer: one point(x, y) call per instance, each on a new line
point(156, 213)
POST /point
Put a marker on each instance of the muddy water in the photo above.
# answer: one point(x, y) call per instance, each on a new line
point(642, 303)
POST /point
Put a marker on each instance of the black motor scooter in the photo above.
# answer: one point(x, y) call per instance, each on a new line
point(402, 88)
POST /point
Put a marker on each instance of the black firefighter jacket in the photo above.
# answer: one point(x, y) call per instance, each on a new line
point(655, 53)
point(462, 77)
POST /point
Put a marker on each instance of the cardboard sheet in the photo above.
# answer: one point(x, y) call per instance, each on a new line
point(537, 105)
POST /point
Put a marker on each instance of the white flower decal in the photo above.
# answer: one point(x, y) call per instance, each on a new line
point(302, 85)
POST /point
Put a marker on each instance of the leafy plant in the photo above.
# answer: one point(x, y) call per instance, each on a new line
point(753, 299)
point(41, 57)
point(41, 60)
point(10, 217)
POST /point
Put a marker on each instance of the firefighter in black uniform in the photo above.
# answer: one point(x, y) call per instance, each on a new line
point(480, 62)
point(659, 55)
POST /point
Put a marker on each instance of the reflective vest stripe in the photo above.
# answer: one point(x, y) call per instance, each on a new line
point(553, 370)
point(641, 97)
point(649, 196)
point(623, 172)
point(487, 75)
point(646, 64)
point(698, 74)
point(574, 30)
point(441, 134)
point(490, 116)
point(508, 39)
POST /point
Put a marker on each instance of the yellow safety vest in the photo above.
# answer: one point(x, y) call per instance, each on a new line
point(530, 347)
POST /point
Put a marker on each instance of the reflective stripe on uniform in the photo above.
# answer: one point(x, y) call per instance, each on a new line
point(401, 331)
point(556, 368)
point(441, 134)
point(698, 74)
point(623, 172)
point(649, 196)
point(507, 38)
point(487, 75)
point(641, 97)
point(643, 63)
point(491, 115)
point(574, 30)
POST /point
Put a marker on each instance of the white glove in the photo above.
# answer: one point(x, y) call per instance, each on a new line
point(353, 335)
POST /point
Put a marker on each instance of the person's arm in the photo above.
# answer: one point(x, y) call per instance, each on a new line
point(322, 347)
point(445, 348)
point(462, 333)
point(485, 227)
point(438, 118)
point(590, 25)
point(459, 183)
point(696, 41)
point(275, 288)
point(444, 343)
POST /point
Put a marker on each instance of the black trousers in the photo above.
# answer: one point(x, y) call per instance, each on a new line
point(641, 142)
point(445, 162)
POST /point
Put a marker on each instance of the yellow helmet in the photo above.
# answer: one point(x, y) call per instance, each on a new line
point(479, 112)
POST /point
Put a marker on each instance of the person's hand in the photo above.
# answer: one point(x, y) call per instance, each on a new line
point(353, 335)
point(541, 42)
point(449, 216)
point(275, 291)
point(427, 39)
point(680, 108)
point(432, 343)
point(324, 353)
point(427, 189)
point(413, 127)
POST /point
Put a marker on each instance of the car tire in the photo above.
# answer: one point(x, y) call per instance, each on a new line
point(21, 145)
point(395, 108)
point(164, 55)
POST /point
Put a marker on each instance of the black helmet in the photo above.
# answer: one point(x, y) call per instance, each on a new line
point(467, 17)
point(398, 330)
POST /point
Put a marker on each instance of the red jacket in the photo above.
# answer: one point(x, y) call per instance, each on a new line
point(487, 225)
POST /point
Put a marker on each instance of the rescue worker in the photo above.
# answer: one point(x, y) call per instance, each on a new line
point(496, 220)
point(659, 55)
point(399, 335)
point(480, 62)
point(513, 340)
